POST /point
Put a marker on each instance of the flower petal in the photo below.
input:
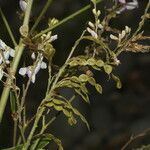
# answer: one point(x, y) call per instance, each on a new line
point(23, 71)
point(1, 73)
point(23, 5)
point(12, 52)
point(43, 65)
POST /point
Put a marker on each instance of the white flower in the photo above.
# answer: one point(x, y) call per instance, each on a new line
point(93, 33)
point(113, 37)
point(1, 73)
point(91, 24)
point(33, 56)
point(127, 6)
point(6, 52)
point(29, 70)
point(122, 1)
point(53, 38)
point(23, 5)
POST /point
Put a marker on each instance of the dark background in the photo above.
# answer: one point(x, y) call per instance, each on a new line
point(113, 116)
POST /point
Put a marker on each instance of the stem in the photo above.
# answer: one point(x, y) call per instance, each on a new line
point(44, 127)
point(15, 132)
point(35, 125)
point(16, 60)
point(8, 28)
point(41, 109)
point(41, 15)
point(141, 24)
point(77, 13)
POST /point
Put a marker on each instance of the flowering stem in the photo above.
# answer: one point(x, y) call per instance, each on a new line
point(40, 16)
point(18, 53)
point(77, 13)
point(42, 109)
point(8, 28)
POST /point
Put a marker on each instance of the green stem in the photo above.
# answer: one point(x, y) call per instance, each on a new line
point(6, 89)
point(44, 127)
point(8, 28)
point(77, 13)
point(35, 125)
point(41, 109)
point(18, 53)
point(15, 132)
point(40, 16)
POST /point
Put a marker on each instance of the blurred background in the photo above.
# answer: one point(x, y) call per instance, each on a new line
point(113, 116)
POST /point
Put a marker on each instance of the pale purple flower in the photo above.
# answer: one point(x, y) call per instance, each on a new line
point(122, 1)
point(23, 5)
point(127, 5)
point(31, 72)
point(6, 51)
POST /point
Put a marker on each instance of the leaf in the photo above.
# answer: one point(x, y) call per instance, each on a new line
point(92, 81)
point(58, 102)
point(75, 79)
point(83, 88)
point(81, 117)
point(98, 88)
point(91, 61)
point(19, 147)
point(99, 63)
point(72, 121)
point(49, 104)
point(83, 78)
point(108, 69)
point(58, 108)
point(118, 82)
point(85, 98)
point(47, 138)
point(67, 83)
point(66, 113)
point(73, 63)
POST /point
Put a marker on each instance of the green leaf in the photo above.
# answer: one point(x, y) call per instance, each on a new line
point(83, 88)
point(58, 102)
point(47, 138)
point(91, 61)
point(58, 108)
point(72, 121)
point(49, 104)
point(108, 69)
point(66, 113)
point(92, 81)
point(73, 63)
point(118, 82)
point(74, 79)
point(99, 63)
point(81, 117)
point(98, 88)
point(84, 97)
point(83, 78)
point(19, 147)
point(96, 68)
